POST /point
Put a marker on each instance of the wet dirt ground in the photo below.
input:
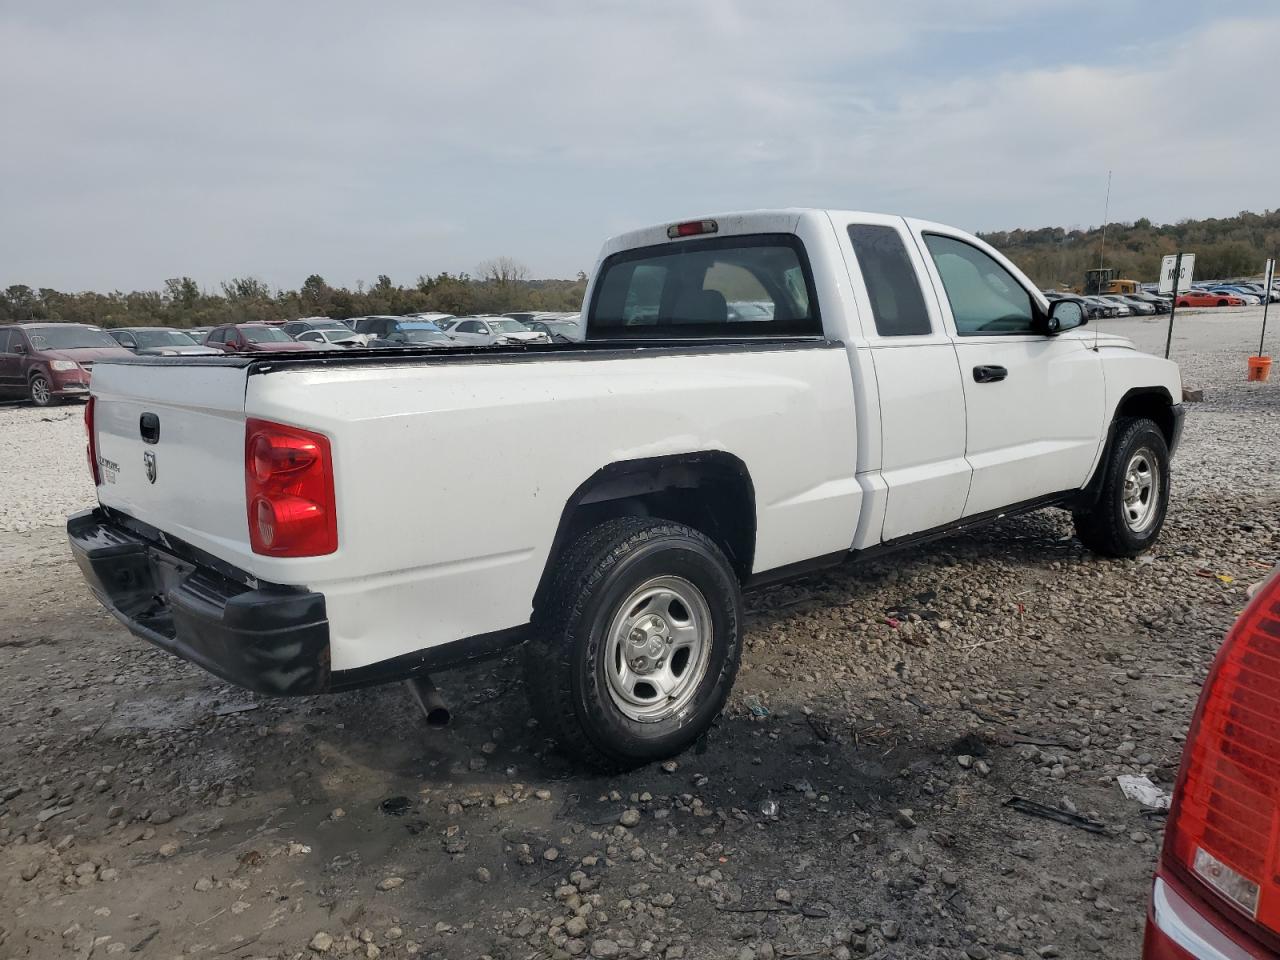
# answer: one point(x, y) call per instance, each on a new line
point(850, 802)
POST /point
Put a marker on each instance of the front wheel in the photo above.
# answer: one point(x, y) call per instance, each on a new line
point(636, 649)
point(41, 392)
point(1130, 510)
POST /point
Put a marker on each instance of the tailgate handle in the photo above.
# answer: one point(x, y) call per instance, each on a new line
point(149, 427)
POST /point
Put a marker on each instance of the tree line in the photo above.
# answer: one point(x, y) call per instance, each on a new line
point(499, 285)
point(1225, 248)
point(1052, 256)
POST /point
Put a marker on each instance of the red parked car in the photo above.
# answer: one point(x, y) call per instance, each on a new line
point(47, 362)
point(1202, 298)
point(254, 338)
point(1217, 886)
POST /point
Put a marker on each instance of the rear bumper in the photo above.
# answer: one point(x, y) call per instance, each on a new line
point(1179, 929)
point(272, 640)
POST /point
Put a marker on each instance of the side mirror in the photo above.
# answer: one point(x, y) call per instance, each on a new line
point(1065, 315)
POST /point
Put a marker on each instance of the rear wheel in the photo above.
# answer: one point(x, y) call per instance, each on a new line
point(1130, 510)
point(1222, 303)
point(637, 647)
point(41, 392)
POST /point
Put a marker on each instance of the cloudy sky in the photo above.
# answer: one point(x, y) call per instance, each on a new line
point(153, 140)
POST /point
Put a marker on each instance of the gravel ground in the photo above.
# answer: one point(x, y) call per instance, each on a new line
point(851, 802)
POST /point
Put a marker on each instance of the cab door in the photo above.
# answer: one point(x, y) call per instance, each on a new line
point(10, 362)
point(1034, 403)
point(922, 418)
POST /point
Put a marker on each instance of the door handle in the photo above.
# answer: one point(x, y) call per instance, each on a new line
point(149, 428)
point(989, 373)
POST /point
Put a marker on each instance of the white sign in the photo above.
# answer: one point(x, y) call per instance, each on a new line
point(1270, 274)
point(1184, 279)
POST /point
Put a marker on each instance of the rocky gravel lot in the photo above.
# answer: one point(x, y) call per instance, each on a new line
point(850, 803)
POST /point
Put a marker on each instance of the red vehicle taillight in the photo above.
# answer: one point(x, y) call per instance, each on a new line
point(288, 485)
point(1224, 828)
point(92, 447)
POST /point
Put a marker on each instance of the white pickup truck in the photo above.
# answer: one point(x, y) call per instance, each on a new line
point(759, 395)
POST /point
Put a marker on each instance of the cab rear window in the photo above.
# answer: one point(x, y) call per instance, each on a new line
point(758, 285)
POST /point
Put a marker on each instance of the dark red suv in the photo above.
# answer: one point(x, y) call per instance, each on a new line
point(253, 338)
point(51, 361)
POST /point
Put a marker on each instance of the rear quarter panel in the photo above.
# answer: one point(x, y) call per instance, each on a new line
point(451, 478)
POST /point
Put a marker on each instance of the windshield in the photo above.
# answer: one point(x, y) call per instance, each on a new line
point(162, 338)
point(508, 326)
point(265, 335)
point(69, 338)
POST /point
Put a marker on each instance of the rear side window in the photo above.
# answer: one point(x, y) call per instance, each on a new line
point(749, 286)
point(4, 341)
point(892, 284)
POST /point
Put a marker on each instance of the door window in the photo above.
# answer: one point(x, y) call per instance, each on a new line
point(896, 301)
point(468, 326)
point(4, 341)
point(984, 296)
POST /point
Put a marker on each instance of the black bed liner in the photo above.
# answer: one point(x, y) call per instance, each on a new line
point(395, 356)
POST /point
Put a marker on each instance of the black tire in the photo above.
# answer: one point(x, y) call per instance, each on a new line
point(1222, 303)
point(1108, 526)
point(40, 391)
point(565, 663)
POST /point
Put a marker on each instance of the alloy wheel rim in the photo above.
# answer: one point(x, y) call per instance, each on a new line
point(1141, 492)
point(658, 647)
point(40, 390)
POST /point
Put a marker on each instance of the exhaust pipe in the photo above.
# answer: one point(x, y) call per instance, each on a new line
point(429, 700)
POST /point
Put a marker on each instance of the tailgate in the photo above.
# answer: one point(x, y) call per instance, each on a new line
point(188, 480)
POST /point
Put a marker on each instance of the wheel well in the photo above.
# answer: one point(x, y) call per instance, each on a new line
point(709, 491)
point(1153, 403)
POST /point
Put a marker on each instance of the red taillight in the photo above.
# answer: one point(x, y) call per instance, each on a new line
point(1224, 828)
point(288, 486)
point(92, 447)
point(692, 228)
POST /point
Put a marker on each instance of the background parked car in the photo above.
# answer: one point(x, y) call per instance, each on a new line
point(1216, 890)
point(326, 331)
point(381, 326)
point(414, 333)
point(1092, 310)
point(486, 331)
point(1104, 308)
point(557, 327)
point(198, 333)
point(158, 342)
point(336, 338)
point(1133, 308)
point(1158, 303)
point(437, 318)
point(257, 338)
point(1247, 297)
point(47, 362)
point(1203, 298)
